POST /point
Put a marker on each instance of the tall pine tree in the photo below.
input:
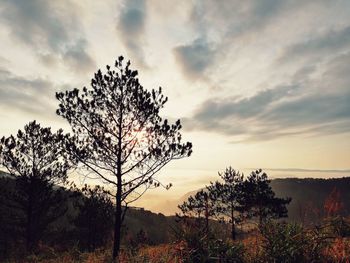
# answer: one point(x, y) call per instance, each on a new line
point(120, 136)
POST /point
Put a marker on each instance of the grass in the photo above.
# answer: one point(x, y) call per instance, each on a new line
point(338, 250)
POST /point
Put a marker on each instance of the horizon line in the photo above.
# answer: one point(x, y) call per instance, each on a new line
point(305, 170)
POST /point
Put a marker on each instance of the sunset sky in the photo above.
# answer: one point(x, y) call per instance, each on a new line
point(257, 84)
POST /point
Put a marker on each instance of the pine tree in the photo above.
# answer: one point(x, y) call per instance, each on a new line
point(259, 200)
point(228, 194)
point(37, 160)
point(119, 135)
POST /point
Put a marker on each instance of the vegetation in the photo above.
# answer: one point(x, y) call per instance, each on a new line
point(94, 221)
point(119, 135)
point(309, 195)
point(37, 159)
point(150, 237)
point(229, 197)
point(236, 199)
point(259, 200)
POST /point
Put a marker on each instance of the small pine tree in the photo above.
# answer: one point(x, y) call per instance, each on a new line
point(259, 200)
point(200, 206)
point(95, 218)
point(37, 160)
point(227, 195)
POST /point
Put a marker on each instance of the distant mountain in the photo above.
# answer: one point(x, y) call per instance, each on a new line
point(309, 195)
point(169, 207)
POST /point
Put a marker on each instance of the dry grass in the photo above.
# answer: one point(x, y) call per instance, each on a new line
point(338, 250)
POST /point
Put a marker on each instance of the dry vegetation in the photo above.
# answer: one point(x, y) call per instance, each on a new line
point(336, 250)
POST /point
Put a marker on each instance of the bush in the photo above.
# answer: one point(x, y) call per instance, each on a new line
point(226, 251)
point(338, 226)
point(205, 246)
point(290, 242)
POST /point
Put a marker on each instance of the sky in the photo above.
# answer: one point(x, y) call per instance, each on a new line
point(256, 83)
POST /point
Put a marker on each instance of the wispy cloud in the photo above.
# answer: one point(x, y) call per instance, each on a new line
point(307, 106)
point(50, 28)
point(131, 25)
point(326, 44)
point(218, 26)
point(27, 95)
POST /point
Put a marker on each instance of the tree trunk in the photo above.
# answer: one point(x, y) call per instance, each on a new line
point(233, 227)
point(206, 217)
point(29, 223)
point(29, 242)
point(233, 231)
point(118, 201)
point(118, 221)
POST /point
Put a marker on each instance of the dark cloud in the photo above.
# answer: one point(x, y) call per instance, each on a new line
point(194, 58)
point(50, 28)
point(131, 25)
point(27, 95)
point(309, 107)
point(315, 109)
point(244, 108)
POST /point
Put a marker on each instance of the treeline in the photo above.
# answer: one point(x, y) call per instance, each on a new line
point(235, 199)
point(202, 232)
point(82, 220)
point(36, 215)
point(118, 137)
point(250, 205)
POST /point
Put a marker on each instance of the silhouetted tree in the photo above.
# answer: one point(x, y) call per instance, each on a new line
point(200, 206)
point(95, 218)
point(120, 136)
point(8, 234)
point(227, 195)
point(37, 160)
point(259, 200)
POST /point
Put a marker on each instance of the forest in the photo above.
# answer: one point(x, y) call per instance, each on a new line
point(118, 136)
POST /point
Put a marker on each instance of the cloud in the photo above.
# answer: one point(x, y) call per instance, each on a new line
point(217, 26)
point(328, 43)
point(27, 95)
point(49, 28)
point(309, 106)
point(131, 25)
point(77, 57)
point(234, 17)
point(229, 32)
point(194, 58)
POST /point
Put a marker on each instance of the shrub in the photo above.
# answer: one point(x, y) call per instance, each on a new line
point(290, 242)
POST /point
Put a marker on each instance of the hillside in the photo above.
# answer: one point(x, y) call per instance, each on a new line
point(308, 195)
